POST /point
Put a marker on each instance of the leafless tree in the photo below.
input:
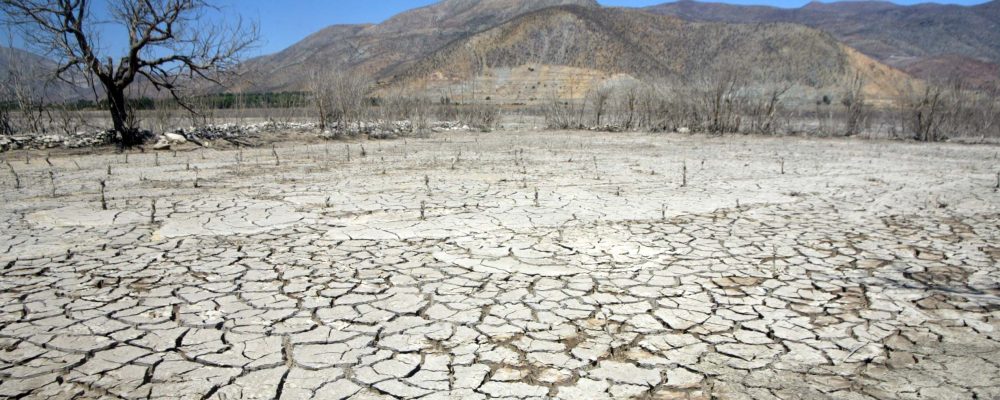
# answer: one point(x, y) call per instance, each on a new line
point(722, 99)
point(339, 97)
point(989, 111)
point(6, 128)
point(765, 109)
point(599, 97)
point(24, 92)
point(972, 110)
point(928, 113)
point(170, 43)
point(6, 104)
point(856, 106)
point(629, 105)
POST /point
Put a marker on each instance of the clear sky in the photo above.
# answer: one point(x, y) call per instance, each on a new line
point(284, 22)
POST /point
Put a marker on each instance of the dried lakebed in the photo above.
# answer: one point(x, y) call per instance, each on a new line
point(564, 265)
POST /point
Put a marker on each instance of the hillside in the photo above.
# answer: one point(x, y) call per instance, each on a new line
point(35, 74)
point(913, 38)
point(564, 51)
point(378, 49)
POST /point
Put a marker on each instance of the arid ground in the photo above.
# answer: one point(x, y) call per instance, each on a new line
point(567, 265)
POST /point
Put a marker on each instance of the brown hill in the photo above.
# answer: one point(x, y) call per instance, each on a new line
point(908, 37)
point(575, 48)
point(377, 49)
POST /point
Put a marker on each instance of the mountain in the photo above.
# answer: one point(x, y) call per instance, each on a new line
point(565, 51)
point(33, 76)
point(377, 50)
point(914, 38)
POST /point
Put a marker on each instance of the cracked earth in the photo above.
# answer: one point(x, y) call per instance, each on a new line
point(510, 265)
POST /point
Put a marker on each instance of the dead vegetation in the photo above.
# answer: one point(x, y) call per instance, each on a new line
point(729, 104)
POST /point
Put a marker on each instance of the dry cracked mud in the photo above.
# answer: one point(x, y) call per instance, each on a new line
point(565, 265)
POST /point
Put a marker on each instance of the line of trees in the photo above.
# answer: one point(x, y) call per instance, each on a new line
point(728, 103)
point(347, 104)
point(351, 104)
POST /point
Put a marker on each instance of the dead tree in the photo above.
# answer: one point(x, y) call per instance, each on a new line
point(857, 107)
point(723, 99)
point(765, 109)
point(6, 103)
point(928, 113)
point(169, 45)
point(629, 104)
point(339, 98)
point(600, 99)
point(22, 91)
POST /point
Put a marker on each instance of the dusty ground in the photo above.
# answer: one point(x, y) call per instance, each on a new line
point(566, 265)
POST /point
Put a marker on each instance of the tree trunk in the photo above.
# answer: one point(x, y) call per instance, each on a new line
point(121, 118)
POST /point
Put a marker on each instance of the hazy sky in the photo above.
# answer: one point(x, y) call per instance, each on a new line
point(284, 22)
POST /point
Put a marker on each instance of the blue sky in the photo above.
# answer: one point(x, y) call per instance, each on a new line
point(284, 22)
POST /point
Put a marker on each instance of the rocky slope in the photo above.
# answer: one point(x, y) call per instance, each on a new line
point(564, 51)
point(914, 38)
point(378, 50)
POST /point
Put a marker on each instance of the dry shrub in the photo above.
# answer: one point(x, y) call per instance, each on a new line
point(939, 111)
point(339, 99)
point(856, 106)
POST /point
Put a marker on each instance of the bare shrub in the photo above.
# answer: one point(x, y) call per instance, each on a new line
point(6, 103)
point(924, 112)
point(163, 114)
point(564, 114)
point(23, 93)
point(856, 106)
point(5, 127)
point(628, 105)
point(723, 100)
point(765, 110)
point(971, 111)
point(599, 98)
point(339, 99)
point(66, 118)
point(484, 117)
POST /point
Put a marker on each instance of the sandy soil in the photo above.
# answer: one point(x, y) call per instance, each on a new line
point(507, 265)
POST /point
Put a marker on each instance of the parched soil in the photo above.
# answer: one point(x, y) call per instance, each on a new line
point(520, 265)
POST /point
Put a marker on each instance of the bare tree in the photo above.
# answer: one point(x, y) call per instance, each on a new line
point(6, 104)
point(629, 105)
point(722, 98)
point(339, 98)
point(928, 113)
point(599, 98)
point(169, 44)
point(6, 128)
point(857, 107)
point(24, 91)
point(765, 109)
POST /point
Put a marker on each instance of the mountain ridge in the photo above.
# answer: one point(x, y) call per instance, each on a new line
point(375, 49)
point(898, 35)
point(616, 43)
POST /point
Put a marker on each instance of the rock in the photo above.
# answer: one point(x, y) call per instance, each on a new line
point(174, 138)
point(161, 145)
